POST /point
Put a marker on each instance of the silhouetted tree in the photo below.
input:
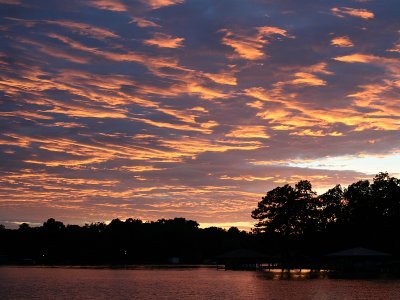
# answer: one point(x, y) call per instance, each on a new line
point(385, 191)
point(332, 207)
point(53, 225)
point(24, 227)
point(362, 214)
point(96, 227)
point(287, 210)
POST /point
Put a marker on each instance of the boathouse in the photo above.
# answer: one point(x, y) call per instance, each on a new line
point(357, 260)
point(241, 259)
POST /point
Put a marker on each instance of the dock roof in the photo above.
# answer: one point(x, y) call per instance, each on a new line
point(357, 252)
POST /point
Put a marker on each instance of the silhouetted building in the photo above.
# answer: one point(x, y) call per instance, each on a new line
point(358, 260)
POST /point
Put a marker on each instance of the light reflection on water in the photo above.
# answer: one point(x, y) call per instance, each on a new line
point(197, 283)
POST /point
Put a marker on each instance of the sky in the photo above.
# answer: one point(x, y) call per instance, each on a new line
point(191, 108)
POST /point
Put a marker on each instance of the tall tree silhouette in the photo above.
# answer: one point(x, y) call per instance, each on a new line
point(287, 210)
point(332, 208)
point(385, 191)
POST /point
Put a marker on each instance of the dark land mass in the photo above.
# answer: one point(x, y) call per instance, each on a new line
point(296, 228)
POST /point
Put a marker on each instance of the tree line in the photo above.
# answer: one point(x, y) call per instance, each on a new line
point(120, 242)
point(363, 214)
point(291, 222)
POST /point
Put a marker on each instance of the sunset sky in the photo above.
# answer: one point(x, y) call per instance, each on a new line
point(191, 108)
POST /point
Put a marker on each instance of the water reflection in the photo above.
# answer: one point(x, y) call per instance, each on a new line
point(199, 283)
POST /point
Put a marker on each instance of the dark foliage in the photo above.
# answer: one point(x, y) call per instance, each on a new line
point(293, 223)
point(363, 214)
point(120, 242)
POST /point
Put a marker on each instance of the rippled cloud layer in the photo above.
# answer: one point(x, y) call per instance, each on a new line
point(173, 108)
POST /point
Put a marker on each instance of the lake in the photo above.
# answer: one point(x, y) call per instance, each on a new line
point(188, 283)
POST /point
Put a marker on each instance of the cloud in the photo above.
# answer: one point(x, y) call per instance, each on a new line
point(354, 12)
point(357, 58)
point(320, 133)
point(224, 77)
point(84, 29)
point(142, 22)
point(155, 4)
point(342, 41)
point(175, 126)
point(251, 46)
point(262, 94)
point(194, 147)
point(86, 112)
point(396, 48)
point(68, 124)
point(98, 124)
point(319, 68)
point(27, 115)
point(249, 131)
point(205, 92)
point(140, 169)
point(112, 5)
point(32, 178)
point(163, 40)
point(302, 78)
point(246, 178)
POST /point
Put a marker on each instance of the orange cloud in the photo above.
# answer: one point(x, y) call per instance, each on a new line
point(92, 151)
point(354, 12)
point(155, 4)
point(247, 48)
point(396, 48)
point(357, 58)
point(55, 52)
point(251, 46)
point(290, 113)
point(68, 125)
point(113, 5)
point(41, 179)
point(316, 133)
point(87, 112)
point(205, 92)
point(141, 22)
point(12, 140)
point(85, 29)
point(191, 81)
point(302, 78)
point(249, 131)
point(140, 169)
point(72, 43)
point(299, 76)
point(320, 68)
point(193, 147)
point(246, 178)
point(27, 115)
point(163, 40)
point(261, 94)
point(183, 127)
point(268, 31)
point(342, 41)
point(224, 77)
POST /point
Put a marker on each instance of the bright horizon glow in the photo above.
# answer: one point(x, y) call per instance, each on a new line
point(368, 164)
point(247, 226)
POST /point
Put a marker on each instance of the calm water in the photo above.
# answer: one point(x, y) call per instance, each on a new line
point(201, 283)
